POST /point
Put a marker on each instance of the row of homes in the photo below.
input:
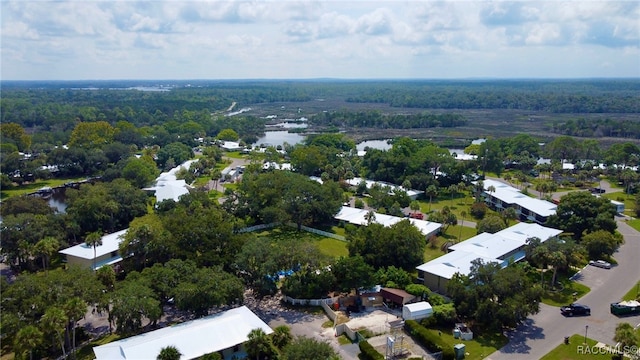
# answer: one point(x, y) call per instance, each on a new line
point(503, 247)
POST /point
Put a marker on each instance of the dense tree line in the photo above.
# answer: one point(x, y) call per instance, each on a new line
point(597, 128)
point(377, 119)
point(580, 96)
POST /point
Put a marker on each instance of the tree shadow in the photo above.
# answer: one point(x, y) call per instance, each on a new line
point(518, 338)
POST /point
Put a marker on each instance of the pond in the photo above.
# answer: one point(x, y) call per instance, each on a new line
point(275, 138)
point(374, 144)
point(57, 200)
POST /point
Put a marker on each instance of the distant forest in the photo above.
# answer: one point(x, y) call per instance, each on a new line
point(58, 106)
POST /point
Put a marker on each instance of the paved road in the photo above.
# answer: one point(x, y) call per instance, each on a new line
point(547, 329)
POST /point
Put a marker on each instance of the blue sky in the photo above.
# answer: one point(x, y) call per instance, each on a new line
point(69, 40)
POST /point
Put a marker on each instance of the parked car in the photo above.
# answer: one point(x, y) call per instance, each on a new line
point(575, 309)
point(600, 263)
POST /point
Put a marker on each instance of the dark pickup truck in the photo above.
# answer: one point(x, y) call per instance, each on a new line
point(575, 309)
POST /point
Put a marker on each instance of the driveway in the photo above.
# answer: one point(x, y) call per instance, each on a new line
point(547, 329)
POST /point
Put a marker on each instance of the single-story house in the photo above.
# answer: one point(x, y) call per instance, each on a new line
point(397, 297)
point(223, 333)
point(106, 254)
point(504, 247)
point(359, 217)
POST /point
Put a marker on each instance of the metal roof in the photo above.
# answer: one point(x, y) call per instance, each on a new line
point(192, 338)
point(358, 217)
point(510, 195)
point(110, 243)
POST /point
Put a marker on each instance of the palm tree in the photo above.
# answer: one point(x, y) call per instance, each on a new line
point(169, 353)
point(281, 336)
point(258, 344)
point(45, 248)
point(453, 189)
point(556, 259)
point(626, 337)
point(55, 321)
point(370, 217)
point(27, 339)
point(414, 206)
point(431, 191)
point(94, 240)
point(75, 308)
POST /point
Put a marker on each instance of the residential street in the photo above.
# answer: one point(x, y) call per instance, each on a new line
point(547, 329)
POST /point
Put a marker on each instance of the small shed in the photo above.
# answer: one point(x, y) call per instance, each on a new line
point(417, 311)
point(397, 297)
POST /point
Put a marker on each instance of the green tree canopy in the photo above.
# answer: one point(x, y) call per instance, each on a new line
point(91, 135)
point(400, 245)
point(579, 213)
point(494, 298)
point(228, 135)
point(308, 349)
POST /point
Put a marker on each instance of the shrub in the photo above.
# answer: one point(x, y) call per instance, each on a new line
point(444, 315)
point(478, 210)
point(417, 290)
point(368, 352)
point(431, 342)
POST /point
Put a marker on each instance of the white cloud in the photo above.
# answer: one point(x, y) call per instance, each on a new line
point(284, 39)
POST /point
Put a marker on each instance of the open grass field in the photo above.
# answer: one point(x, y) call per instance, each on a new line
point(480, 347)
point(577, 349)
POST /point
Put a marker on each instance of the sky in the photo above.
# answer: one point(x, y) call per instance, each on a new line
point(96, 40)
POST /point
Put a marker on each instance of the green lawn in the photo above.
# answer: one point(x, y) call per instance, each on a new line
point(633, 293)
point(235, 155)
point(635, 223)
point(452, 234)
point(576, 349)
point(328, 246)
point(628, 200)
point(31, 187)
point(482, 345)
point(566, 295)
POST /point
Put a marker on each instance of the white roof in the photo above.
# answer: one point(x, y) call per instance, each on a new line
point(168, 186)
point(110, 244)
point(358, 217)
point(192, 338)
point(489, 247)
point(511, 195)
point(504, 241)
point(166, 190)
point(451, 263)
point(370, 183)
point(230, 145)
point(276, 166)
point(419, 306)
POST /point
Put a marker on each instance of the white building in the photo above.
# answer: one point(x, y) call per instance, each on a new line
point(168, 187)
point(504, 247)
point(223, 333)
point(413, 194)
point(503, 196)
point(106, 254)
